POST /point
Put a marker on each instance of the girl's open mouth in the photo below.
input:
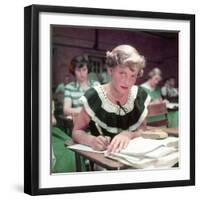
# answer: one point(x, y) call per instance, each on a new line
point(123, 87)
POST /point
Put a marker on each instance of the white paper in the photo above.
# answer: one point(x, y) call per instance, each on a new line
point(133, 161)
point(168, 161)
point(141, 146)
point(161, 159)
point(160, 152)
point(136, 147)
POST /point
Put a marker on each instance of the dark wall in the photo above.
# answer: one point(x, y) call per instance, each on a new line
point(159, 48)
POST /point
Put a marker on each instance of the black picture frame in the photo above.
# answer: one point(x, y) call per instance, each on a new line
point(31, 98)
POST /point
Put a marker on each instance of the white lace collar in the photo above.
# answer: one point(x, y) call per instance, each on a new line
point(111, 107)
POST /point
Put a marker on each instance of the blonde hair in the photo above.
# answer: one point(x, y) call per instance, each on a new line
point(155, 71)
point(125, 55)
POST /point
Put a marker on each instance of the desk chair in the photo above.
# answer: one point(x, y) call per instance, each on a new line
point(156, 110)
point(65, 124)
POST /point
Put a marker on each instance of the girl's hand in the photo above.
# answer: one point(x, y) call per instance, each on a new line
point(119, 142)
point(100, 143)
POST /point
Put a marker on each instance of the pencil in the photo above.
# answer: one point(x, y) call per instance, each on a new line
point(101, 133)
point(99, 129)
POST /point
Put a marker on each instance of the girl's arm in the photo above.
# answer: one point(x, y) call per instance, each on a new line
point(80, 136)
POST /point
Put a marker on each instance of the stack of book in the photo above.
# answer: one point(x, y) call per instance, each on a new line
point(149, 153)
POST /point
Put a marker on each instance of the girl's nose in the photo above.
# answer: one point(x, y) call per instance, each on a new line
point(125, 82)
point(81, 72)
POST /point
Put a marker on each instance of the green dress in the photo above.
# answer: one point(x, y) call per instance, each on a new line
point(172, 115)
point(63, 158)
point(114, 118)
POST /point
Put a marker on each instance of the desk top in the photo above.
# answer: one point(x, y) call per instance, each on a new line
point(99, 158)
point(170, 131)
point(106, 162)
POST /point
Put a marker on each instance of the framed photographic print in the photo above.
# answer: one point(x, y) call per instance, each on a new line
point(109, 99)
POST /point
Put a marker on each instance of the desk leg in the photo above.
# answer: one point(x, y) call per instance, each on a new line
point(78, 162)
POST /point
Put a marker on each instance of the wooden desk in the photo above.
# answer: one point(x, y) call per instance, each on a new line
point(170, 131)
point(95, 158)
point(104, 162)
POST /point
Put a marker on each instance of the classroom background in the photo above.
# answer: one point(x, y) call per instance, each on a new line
point(159, 48)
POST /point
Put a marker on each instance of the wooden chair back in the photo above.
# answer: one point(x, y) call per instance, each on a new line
point(158, 109)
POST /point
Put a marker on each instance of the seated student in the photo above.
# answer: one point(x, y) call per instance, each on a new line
point(75, 89)
point(169, 91)
point(151, 85)
point(116, 109)
point(58, 97)
point(152, 88)
point(61, 87)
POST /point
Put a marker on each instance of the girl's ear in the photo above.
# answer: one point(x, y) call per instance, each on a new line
point(110, 70)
